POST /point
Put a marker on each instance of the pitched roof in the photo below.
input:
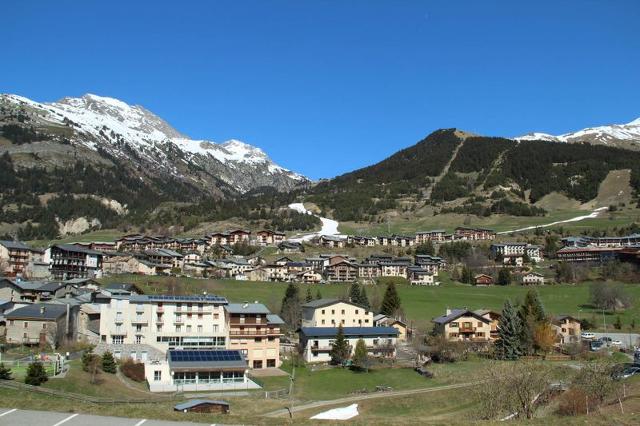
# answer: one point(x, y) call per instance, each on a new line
point(76, 249)
point(274, 319)
point(34, 311)
point(18, 245)
point(455, 314)
point(348, 331)
point(247, 308)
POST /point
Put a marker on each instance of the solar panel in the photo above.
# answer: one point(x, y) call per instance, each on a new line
point(204, 355)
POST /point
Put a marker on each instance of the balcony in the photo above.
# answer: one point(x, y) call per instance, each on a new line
point(139, 321)
point(160, 309)
point(265, 332)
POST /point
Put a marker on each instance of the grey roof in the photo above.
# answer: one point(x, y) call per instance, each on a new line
point(379, 317)
point(195, 298)
point(77, 249)
point(18, 245)
point(247, 308)
point(320, 303)
point(34, 311)
point(455, 314)
point(348, 331)
point(274, 319)
point(195, 402)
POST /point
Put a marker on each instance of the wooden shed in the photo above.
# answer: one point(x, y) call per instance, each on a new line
point(203, 406)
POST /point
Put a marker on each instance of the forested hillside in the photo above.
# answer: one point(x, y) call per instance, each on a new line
point(488, 175)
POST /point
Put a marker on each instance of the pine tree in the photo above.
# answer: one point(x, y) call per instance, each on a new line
point(108, 363)
point(291, 310)
point(364, 300)
point(36, 374)
point(618, 324)
point(5, 373)
point(509, 334)
point(361, 356)
point(391, 301)
point(532, 315)
point(504, 277)
point(354, 293)
point(87, 356)
point(318, 295)
point(340, 349)
point(309, 297)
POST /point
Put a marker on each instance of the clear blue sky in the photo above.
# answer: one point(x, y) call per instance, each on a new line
point(325, 87)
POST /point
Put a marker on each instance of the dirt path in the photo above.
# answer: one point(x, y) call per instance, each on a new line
point(438, 178)
point(350, 399)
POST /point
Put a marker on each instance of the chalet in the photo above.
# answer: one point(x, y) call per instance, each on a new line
point(403, 240)
point(377, 258)
point(295, 267)
point(275, 272)
point(239, 236)
point(394, 268)
point(382, 320)
point(218, 239)
point(192, 245)
point(165, 257)
point(332, 312)
point(463, 325)
point(368, 271)
point(282, 261)
point(146, 267)
point(342, 271)
point(492, 316)
point(290, 247)
point(317, 263)
point(234, 266)
point(69, 261)
point(192, 257)
point(123, 289)
point(532, 278)
point(483, 279)
point(309, 277)
point(14, 258)
point(332, 241)
point(464, 233)
point(385, 240)
point(568, 329)
point(258, 274)
point(418, 276)
point(436, 235)
point(315, 342)
point(269, 238)
point(358, 240)
point(430, 263)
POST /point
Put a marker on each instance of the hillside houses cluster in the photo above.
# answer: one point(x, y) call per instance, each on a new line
point(585, 249)
point(436, 236)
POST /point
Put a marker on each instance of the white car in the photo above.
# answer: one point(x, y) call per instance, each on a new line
point(616, 343)
point(587, 335)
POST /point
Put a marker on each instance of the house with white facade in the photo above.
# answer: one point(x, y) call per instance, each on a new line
point(316, 342)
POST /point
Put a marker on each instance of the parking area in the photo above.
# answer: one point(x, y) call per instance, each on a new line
point(628, 340)
point(15, 417)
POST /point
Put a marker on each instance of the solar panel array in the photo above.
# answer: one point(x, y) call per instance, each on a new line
point(200, 356)
point(194, 298)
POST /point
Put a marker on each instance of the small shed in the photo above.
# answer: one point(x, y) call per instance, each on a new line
point(483, 279)
point(203, 406)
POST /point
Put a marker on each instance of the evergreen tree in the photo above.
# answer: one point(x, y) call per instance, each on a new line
point(364, 300)
point(318, 295)
point(354, 293)
point(36, 374)
point(509, 333)
point(309, 297)
point(532, 316)
point(5, 373)
point(504, 276)
point(466, 275)
point(108, 363)
point(618, 324)
point(340, 349)
point(361, 356)
point(426, 248)
point(291, 310)
point(391, 301)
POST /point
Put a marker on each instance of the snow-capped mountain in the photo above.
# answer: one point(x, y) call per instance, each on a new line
point(619, 135)
point(112, 128)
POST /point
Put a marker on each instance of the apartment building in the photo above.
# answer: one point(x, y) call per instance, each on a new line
point(14, 258)
point(141, 326)
point(510, 251)
point(332, 312)
point(436, 235)
point(69, 261)
point(255, 332)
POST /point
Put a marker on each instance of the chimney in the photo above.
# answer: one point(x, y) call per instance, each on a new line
point(447, 312)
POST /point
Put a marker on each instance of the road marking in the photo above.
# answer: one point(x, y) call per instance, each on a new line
point(65, 420)
point(8, 412)
point(140, 422)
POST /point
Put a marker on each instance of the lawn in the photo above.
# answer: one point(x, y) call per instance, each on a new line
point(420, 304)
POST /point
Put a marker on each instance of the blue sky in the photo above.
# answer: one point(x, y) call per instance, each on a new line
point(325, 87)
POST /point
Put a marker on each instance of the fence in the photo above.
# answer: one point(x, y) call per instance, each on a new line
point(19, 367)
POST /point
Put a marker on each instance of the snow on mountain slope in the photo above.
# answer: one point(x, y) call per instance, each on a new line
point(623, 135)
point(105, 123)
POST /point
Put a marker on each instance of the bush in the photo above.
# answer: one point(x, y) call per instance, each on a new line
point(573, 403)
point(5, 373)
point(109, 363)
point(36, 374)
point(133, 370)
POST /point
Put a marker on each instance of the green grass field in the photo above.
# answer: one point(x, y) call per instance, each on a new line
point(420, 304)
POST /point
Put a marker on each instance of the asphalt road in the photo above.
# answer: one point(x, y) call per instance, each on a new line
point(14, 417)
point(629, 340)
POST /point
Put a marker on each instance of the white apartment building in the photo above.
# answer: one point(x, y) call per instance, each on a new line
point(332, 312)
point(147, 326)
point(316, 342)
point(508, 250)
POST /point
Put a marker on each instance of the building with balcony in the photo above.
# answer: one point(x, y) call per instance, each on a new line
point(463, 325)
point(254, 331)
point(15, 257)
point(316, 342)
point(69, 261)
point(146, 326)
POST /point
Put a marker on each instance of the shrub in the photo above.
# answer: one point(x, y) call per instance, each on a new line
point(5, 373)
point(133, 370)
point(36, 374)
point(108, 363)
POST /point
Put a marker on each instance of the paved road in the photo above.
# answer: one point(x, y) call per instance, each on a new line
point(15, 417)
point(351, 399)
point(629, 340)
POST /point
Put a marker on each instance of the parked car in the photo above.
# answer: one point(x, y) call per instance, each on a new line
point(636, 356)
point(617, 343)
point(627, 372)
point(596, 345)
point(606, 340)
point(587, 335)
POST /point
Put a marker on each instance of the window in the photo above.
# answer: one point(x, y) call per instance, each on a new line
point(480, 334)
point(157, 375)
point(138, 340)
point(188, 329)
point(10, 322)
point(322, 322)
point(323, 312)
point(178, 328)
point(26, 324)
point(117, 340)
point(200, 316)
point(356, 312)
point(453, 325)
point(271, 363)
point(44, 325)
point(216, 316)
point(333, 312)
point(159, 327)
point(343, 312)
point(342, 321)
point(258, 339)
point(200, 329)
point(138, 328)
